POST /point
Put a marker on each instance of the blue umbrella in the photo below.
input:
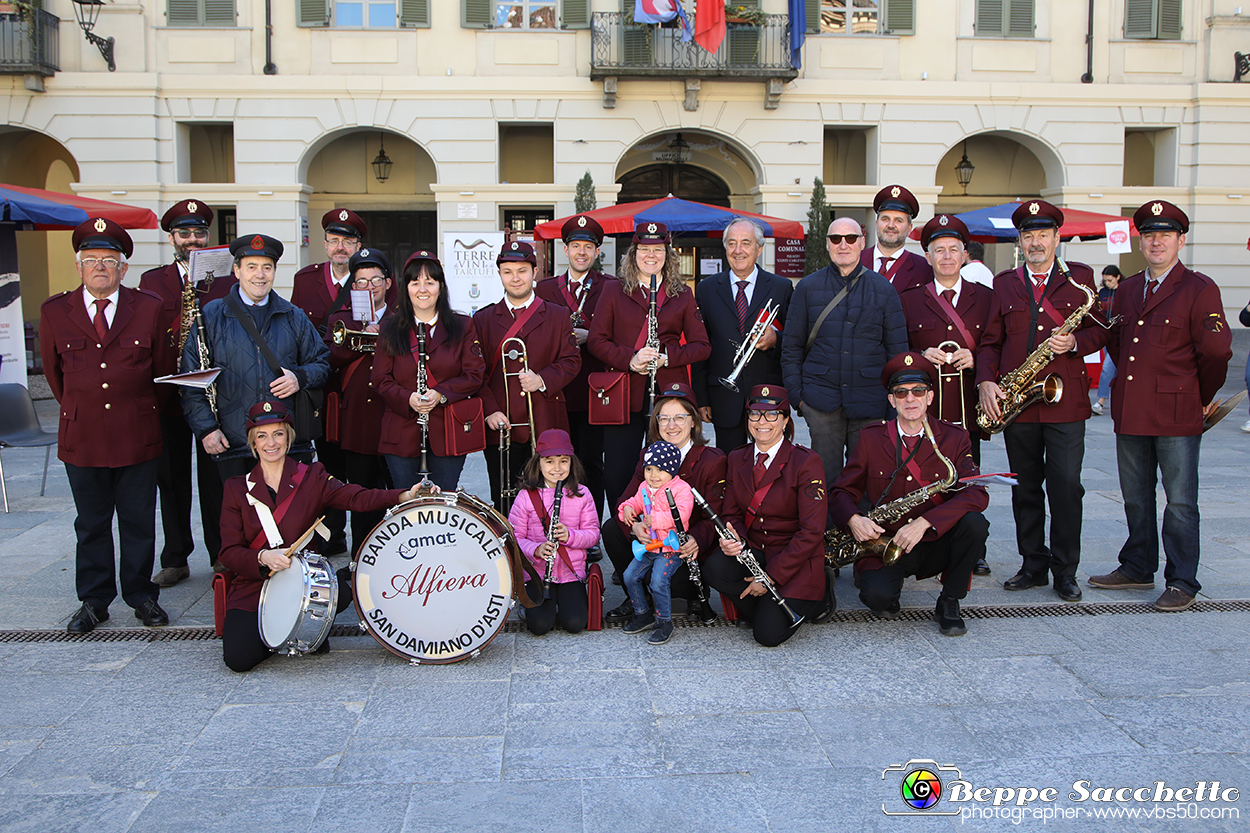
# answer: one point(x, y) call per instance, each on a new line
point(26, 208)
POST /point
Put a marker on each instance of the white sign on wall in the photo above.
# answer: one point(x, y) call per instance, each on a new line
point(469, 264)
point(12, 333)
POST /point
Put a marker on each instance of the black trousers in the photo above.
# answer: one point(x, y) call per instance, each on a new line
point(617, 546)
point(730, 437)
point(241, 646)
point(588, 443)
point(518, 456)
point(331, 456)
point(622, 444)
point(955, 553)
point(368, 470)
point(173, 481)
point(770, 625)
point(99, 493)
point(208, 480)
point(568, 603)
point(1050, 453)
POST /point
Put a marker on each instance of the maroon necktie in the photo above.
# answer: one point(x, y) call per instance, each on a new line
point(910, 443)
point(949, 295)
point(760, 468)
point(575, 289)
point(741, 302)
point(1151, 286)
point(885, 264)
point(101, 323)
point(1039, 287)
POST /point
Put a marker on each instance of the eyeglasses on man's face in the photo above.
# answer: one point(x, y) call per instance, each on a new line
point(364, 282)
point(107, 262)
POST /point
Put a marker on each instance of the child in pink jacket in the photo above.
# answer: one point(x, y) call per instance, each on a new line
point(661, 462)
point(576, 530)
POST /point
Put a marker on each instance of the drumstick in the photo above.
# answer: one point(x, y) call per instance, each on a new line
point(303, 539)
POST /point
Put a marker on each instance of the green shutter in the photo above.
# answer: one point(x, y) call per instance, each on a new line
point(414, 14)
point(475, 14)
point(746, 4)
point(898, 17)
point(575, 14)
point(218, 12)
point(313, 12)
point(989, 17)
point(813, 17)
point(183, 13)
point(1169, 19)
point(1020, 18)
point(1140, 18)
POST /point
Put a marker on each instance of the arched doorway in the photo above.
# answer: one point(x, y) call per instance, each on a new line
point(400, 210)
point(690, 183)
point(45, 258)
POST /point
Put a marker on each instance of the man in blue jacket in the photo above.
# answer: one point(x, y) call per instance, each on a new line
point(844, 323)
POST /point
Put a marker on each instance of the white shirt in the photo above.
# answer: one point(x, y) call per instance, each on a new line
point(958, 287)
point(749, 289)
point(877, 254)
point(770, 454)
point(109, 311)
point(899, 424)
point(685, 449)
point(430, 325)
point(515, 309)
point(977, 272)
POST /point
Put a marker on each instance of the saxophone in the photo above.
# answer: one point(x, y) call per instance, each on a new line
point(1020, 386)
point(190, 309)
point(842, 549)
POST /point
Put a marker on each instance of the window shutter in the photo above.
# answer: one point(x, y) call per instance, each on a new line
point(575, 14)
point(1169, 19)
point(898, 17)
point(312, 12)
point(183, 13)
point(219, 13)
point(813, 17)
point(414, 14)
point(1139, 19)
point(989, 17)
point(1020, 18)
point(475, 14)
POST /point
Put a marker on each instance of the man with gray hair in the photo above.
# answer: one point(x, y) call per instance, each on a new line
point(731, 302)
point(845, 322)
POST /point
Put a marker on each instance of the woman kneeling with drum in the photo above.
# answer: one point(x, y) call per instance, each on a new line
point(266, 510)
point(775, 503)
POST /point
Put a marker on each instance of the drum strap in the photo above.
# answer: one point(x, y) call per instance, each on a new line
point(268, 519)
point(537, 501)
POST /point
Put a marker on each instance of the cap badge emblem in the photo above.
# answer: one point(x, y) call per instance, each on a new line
point(943, 220)
point(1034, 208)
point(268, 407)
point(192, 207)
point(343, 215)
point(895, 191)
point(764, 391)
point(581, 222)
point(651, 228)
point(100, 224)
point(676, 386)
point(258, 242)
point(364, 252)
point(1156, 209)
point(515, 246)
point(907, 360)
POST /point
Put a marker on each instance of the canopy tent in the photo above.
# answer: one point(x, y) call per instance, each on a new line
point(678, 214)
point(51, 211)
point(993, 224)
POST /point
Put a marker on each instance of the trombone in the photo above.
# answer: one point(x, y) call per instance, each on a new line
point(508, 489)
point(747, 348)
point(949, 348)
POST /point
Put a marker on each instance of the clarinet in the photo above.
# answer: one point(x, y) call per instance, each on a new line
point(682, 537)
point(653, 341)
point(422, 390)
point(747, 557)
point(551, 538)
point(205, 359)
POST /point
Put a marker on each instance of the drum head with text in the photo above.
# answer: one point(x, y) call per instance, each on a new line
point(433, 581)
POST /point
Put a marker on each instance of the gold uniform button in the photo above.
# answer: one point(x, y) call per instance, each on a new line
point(105, 385)
point(1141, 323)
point(1132, 358)
point(1130, 378)
point(1134, 341)
point(909, 477)
point(103, 365)
point(107, 406)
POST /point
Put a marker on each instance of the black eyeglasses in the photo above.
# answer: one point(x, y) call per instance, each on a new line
point(836, 239)
point(766, 416)
point(903, 393)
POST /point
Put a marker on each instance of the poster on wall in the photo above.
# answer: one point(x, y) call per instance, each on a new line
point(12, 333)
point(469, 265)
point(790, 257)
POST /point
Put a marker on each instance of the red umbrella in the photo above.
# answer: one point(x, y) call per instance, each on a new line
point(993, 224)
point(126, 216)
point(678, 214)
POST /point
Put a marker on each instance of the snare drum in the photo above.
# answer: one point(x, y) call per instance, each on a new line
point(433, 581)
point(298, 605)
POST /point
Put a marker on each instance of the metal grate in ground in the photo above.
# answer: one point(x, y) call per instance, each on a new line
point(177, 634)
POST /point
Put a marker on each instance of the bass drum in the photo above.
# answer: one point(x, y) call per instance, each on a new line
point(298, 605)
point(433, 580)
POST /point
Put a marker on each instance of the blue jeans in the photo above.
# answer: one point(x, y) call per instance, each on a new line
point(444, 471)
point(1176, 458)
point(661, 566)
point(1107, 377)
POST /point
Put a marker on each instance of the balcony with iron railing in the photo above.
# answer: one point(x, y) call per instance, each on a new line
point(30, 46)
point(621, 48)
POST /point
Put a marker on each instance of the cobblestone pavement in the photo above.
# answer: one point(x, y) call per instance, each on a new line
point(600, 732)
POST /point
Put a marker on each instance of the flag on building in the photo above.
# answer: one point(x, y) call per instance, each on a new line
point(709, 24)
point(662, 11)
point(798, 31)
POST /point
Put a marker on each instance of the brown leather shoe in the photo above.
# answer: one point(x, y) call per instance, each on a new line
point(170, 576)
point(1116, 580)
point(1174, 601)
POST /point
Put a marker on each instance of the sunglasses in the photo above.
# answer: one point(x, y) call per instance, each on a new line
point(903, 393)
point(836, 239)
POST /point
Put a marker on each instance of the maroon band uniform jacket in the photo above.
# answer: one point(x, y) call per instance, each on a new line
point(110, 413)
point(457, 371)
point(240, 525)
point(928, 325)
point(1006, 344)
point(577, 392)
point(552, 353)
point(621, 318)
point(360, 408)
point(704, 469)
point(790, 525)
point(910, 269)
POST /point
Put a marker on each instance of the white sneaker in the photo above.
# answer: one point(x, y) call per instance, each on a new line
point(1246, 426)
point(1097, 407)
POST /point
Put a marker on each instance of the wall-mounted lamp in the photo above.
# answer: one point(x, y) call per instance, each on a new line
point(382, 163)
point(87, 12)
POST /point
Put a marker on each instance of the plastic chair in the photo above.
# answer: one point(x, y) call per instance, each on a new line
point(20, 428)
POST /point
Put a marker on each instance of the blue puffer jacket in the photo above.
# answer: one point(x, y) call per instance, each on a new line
point(245, 375)
point(844, 366)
